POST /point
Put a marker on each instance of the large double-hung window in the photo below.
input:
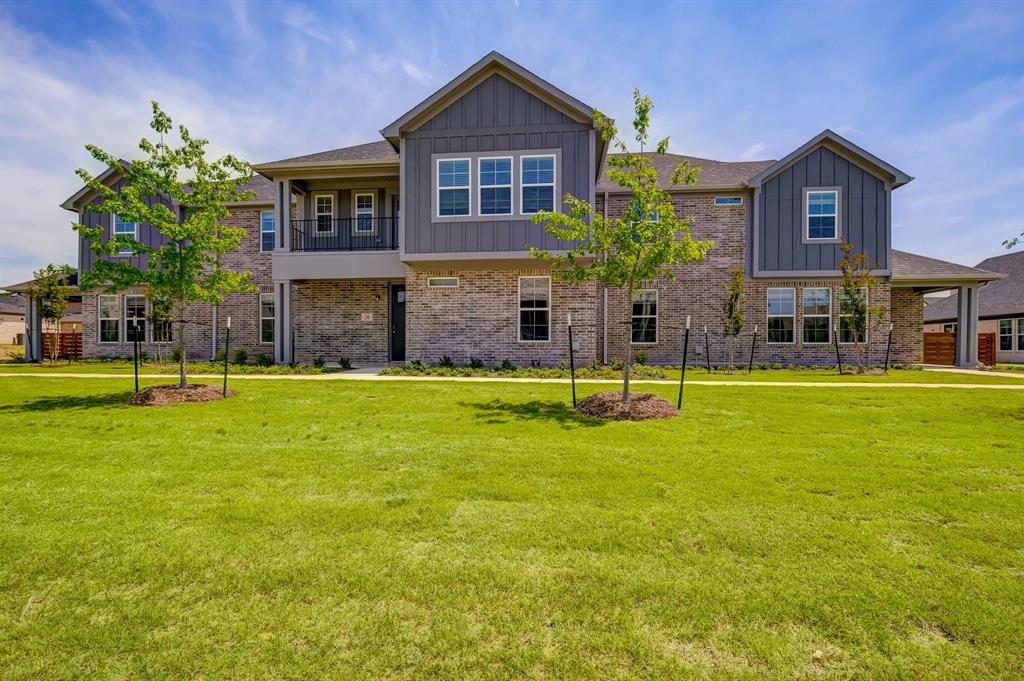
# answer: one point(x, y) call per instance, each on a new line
point(496, 186)
point(125, 232)
point(135, 318)
point(534, 308)
point(1005, 335)
point(109, 319)
point(453, 187)
point(781, 315)
point(846, 318)
point(645, 317)
point(267, 230)
point(817, 314)
point(538, 183)
point(267, 318)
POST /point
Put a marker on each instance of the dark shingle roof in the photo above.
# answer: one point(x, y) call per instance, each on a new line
point(713, 175)
point(12, 305)
point(371, 151)
point(262, 188)
point(1001, 298)
point(913, 266)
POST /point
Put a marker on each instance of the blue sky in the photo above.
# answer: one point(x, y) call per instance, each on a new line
point(936, 89)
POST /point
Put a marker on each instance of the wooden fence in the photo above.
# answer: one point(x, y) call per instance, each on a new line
point(70, 344)
point(940, 348)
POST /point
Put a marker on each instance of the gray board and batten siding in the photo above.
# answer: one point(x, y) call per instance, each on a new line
point(494, 116)
point(865, 211)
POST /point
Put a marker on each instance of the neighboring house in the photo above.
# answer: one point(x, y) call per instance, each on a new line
point(12, 320)
point(32, 325)
point(1000, 307)
point(417, 246)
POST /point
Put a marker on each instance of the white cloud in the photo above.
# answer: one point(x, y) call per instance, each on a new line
point(416, 73)
point(755, 152)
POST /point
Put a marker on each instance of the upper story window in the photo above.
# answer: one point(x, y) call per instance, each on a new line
point(363, 206)
point(323, 208)
point(122, 230)
point(496, 186)
point(538, 182)
point(781, 315)
point(453, 187)
point(821, 214)
point(817, 313)
point(728, 200)
point(267, 230)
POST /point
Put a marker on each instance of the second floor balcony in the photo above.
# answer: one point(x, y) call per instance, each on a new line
point(323, 234)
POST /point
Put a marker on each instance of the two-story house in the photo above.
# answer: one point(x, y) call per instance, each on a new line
point(416, 246)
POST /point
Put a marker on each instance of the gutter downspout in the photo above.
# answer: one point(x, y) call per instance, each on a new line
point(604, 318)
point(213, 355)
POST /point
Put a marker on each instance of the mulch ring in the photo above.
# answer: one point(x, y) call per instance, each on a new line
point(641, 406)
point(162, 395)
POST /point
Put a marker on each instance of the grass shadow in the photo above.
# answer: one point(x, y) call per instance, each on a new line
point(66, 402)
point(499, 411)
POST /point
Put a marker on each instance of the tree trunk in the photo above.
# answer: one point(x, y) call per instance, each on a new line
point(182, 380)
point(629, 348)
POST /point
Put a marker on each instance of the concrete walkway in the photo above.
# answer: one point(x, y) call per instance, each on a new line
point(365, 376)
point(973, 372)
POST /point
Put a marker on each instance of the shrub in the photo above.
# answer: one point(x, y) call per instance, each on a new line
point(219, 357)
point(264, 360)
point(344, 362)
point(507, 365)
point(319, 362)
point(640, 357)
point(143, 356)
point(476, 363)
point(175, 354)
point(417, 364)
point(617, 363)
point(446, 362)
point(241, 356)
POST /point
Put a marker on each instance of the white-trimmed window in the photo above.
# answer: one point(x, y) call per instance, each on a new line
point(728, 200)
point(109, 319)
point(323, 209)
point(495, 185)
point(534, 309)
point(1005, 335)
point(162, 322)
point(645, 317)
point(121, 230)
point(817, 315)
point(1020, 335)
point(135, 318)
point(537, 176)
point(362, 205)
point(453, 187)
point(267, 232)
point(781, 315)
point(845, 331)
point(822, 211)
point(267, 318)
point(949, 328)
point(443, 282)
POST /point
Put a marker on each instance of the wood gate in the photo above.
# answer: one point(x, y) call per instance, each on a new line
point(940, 348)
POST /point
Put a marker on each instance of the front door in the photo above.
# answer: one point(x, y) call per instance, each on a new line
point(397, 322)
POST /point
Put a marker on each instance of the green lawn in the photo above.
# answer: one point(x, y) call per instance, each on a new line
point(367, 530)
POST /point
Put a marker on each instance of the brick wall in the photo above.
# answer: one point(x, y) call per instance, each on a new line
point(908, 321)
point(480, 319)
point(341, 318)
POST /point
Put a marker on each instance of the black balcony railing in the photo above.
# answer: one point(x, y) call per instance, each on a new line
point(345, 234)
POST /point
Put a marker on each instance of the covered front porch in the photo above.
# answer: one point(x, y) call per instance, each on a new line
point(920, 274)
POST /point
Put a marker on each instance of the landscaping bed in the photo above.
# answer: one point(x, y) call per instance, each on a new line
point(163, 395)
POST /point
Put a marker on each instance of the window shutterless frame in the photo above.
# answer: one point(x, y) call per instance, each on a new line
point(822, 210)
point(364, 206)
point(844, 333)
point(815, 298)
point(267, 324)
point(1005, 335)
point(785, 308)
point(1020, 335)
point(443, 282)
point(534, 311)
point(134, 307)
point(108, 315)
point(728, 200)
point(119, 227)
point(267, 230)
point(453, 187)
point(323, 211)
point(490, 180)
point(530, 179)
point(645, 324)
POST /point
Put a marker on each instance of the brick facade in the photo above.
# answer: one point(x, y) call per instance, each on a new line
point(332, 319)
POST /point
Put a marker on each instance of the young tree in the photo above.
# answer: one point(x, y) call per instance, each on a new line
point(50, 286)
point(186, 267)
point(647, 242)
point(732, 310)
point(855, 312)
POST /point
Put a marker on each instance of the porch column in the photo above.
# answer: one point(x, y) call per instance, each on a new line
point(33, 330)
point(283, 215)
point(967, 326)
point(283, 351)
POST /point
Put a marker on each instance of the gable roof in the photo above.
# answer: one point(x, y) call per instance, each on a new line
point(997, 299)
point(725, 175)
point(843, 147)
point(492, 62)
point(72, 202)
